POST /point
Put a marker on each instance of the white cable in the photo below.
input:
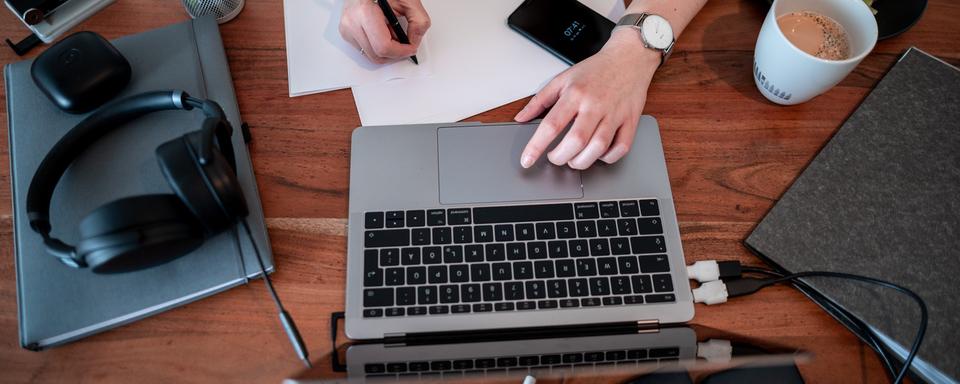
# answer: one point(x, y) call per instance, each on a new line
point(704, 271)
point(710, 293)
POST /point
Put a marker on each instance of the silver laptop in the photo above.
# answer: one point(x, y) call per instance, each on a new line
point(447, 233)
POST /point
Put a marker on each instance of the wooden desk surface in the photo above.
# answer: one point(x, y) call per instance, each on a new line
point(730, 155)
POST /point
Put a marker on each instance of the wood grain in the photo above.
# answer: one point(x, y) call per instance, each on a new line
point(730, 155)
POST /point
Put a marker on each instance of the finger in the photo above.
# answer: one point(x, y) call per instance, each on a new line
point(551, 126)
point(598, 145)
point(622, 142)
point(576, 139)
point(541, 101)
point(381, 38)
point(366, 49)
point(418, 21)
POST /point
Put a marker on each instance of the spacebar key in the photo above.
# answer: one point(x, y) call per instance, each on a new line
point(386, 238)
point(522, 213)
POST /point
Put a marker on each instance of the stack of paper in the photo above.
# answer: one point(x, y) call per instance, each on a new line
point(471, 61)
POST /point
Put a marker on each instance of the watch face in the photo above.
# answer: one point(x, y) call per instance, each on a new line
point(657, 32)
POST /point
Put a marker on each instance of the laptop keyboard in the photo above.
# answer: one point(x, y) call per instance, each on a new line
point(442, 262)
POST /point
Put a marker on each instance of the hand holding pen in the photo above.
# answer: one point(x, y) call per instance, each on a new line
point(373, 27)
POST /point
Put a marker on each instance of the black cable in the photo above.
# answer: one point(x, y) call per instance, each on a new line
point(748, 286)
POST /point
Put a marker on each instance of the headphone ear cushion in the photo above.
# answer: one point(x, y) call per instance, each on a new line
point(137, 232)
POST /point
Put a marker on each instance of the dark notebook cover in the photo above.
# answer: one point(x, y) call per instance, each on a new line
point(882, 199)
point(58, 304)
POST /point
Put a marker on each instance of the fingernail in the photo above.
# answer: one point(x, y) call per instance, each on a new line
point(613, 155)
point(526, 161)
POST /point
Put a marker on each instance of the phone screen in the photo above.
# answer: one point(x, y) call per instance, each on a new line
point(566, 28)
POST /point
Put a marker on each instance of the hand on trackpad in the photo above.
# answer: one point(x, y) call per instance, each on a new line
point(480, 165)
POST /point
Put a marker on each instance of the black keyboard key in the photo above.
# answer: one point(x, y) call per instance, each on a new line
point(556, 289)
point(536, 289)
point(453, 254)
point(463, 364)
point(607, 266)
point(410, 256)
point(421, 236)
point(566, 230)
point(459, 273)
point(470, 293)
point(641, 284)
point(394, 276)
point(522, 270)
point(543, 269)
point(503, 232)
point(458, 216)
point(483, 307)
point(637, 354)
point(525, 232)
point(654, 264)
point(416, 218)
point(587, 228)
point(547, 304)
point(437, 274)
point(612, 300)
point(616, 355)
point(593, 356)
point(513, 290)
point(373, 220)
point(620, 285)
point(427, 295)
point(599, 247)
point(483, 233)
point(378, 297)
point(656, 353)
point(394, 312)
point(502, 272)
point(372, 274)
point(590, 302)
point(633, 300)
point(527, 361)
point(507, 362)
point(449, 294)
point(516, 251)
point(499, 307)
point(492, 292)
point(486, 363)
point(394, 219)
point(578, 287)
point(536, 250)
point(609, 209)
point(394, 215)
point(462, 235)
point(442, 235)
point(439, 310)
point(572, 358)
point(629, 208)
point(587, 211)
point(432, 255)
point(444, 365)
point(416, 311)
point(649, 226)
point(599, 286)
point(557, 249)
point(406, 296)
point(546, 231)
point(374, 368)
point(436, 217)
point(473, 253)
point(647, 244)
point(390, 257)
point(480, 272)
point(522, 213)
point(526, 305)
point(386, 238)
point(662, 283)
point(620, 246)
point(649, 207)
point(566, 268)
point(569, 303)
point(607, 228)
point(579, 248)
point(495, 252)
point(373, 312)
point(586, 267)
point(418, 366)
point(627, 227)
point(397, 367)
point(416, 275)
point(460, 308)
point(549, 359)
point(628, 265)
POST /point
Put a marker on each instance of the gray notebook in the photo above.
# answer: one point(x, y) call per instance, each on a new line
point(882, 199)
point(58, 304)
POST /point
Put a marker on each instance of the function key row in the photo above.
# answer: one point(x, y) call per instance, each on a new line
point(503, 233)
point(522, 361)
point(511, 214)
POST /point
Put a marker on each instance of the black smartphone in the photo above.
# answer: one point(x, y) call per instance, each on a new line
point(568, 29)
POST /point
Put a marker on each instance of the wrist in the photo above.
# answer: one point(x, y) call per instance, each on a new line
point(627, 43)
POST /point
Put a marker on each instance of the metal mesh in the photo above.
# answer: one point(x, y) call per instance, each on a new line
point(225, 10)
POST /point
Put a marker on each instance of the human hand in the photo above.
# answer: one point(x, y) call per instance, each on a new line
point(603, 95)
point(364, 25)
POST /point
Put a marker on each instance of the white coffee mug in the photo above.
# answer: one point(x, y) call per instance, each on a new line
point(786, 74)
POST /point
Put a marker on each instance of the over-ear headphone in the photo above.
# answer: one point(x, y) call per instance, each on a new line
point(139, 232)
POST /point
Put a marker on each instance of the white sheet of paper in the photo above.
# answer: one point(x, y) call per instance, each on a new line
point(319, 60)
point(479, 63)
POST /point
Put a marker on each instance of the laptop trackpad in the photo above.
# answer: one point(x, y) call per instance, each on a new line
point(482, 165)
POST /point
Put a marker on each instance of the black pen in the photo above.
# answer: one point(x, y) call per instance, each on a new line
point(395, 24)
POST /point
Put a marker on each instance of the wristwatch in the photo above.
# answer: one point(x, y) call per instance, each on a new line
point(654, 30)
